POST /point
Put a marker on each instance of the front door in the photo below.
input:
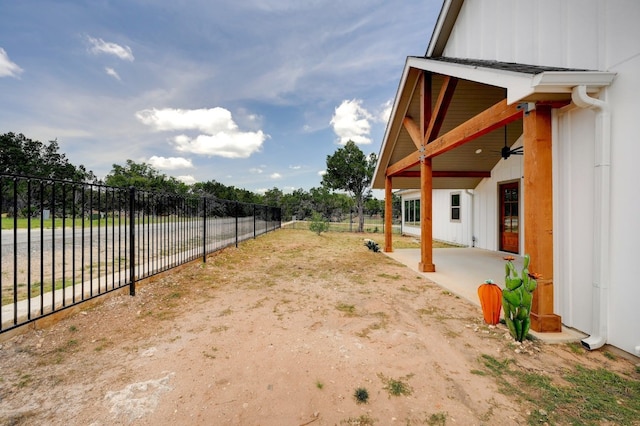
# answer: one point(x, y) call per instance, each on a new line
point(509, 217)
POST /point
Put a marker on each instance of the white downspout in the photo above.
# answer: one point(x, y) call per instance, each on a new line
point(601, 216)
point(473, 237)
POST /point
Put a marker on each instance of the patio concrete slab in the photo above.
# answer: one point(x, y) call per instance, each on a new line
point(462, 270)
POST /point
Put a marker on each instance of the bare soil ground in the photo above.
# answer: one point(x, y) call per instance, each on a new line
point(281, 331)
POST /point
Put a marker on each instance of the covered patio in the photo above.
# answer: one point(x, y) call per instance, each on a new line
point(452, 121)
point(461, 270)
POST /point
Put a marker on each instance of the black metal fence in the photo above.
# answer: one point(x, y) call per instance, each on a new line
point(66, 242)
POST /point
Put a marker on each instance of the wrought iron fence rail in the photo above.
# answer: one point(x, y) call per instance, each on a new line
point(63, 243)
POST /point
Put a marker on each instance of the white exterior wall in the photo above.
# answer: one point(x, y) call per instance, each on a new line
point(444, 229)
point(589, 34)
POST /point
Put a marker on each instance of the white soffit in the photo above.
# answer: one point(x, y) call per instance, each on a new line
point(519, 85)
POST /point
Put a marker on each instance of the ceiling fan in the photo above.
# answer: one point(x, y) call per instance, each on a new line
point(507, 152)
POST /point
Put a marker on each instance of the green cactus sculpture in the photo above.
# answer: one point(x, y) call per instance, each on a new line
point(517, 297)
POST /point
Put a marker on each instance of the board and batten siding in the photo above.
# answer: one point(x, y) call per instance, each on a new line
point(582, 34)
point(444, 229)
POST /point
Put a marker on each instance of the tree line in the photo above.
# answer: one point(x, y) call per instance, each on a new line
point(344, 189)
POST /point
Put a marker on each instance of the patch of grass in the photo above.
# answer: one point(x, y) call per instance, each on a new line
point(361, 395)
point(396, 387)
point(593, 396)
point(104, 343)
point(226, 312)
point(609, 355)
point(363, 420)
point(575, 347)
point(436, 419)
point(479, 372)
point(427, 311)
point(375, 326)
point(73, 328)
point(25, 379)
point(389, 277)
point(69, 346)
point(349, 310)
point(319, 384)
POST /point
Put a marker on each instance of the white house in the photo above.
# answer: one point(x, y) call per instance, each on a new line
point(558, 84)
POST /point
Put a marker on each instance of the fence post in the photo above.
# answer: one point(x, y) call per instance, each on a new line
point(254, 221)
point(132, 240)
point(236, 215)
point(204, 230)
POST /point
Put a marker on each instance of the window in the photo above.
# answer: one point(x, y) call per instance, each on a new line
point(455, 207)
point(412, 212)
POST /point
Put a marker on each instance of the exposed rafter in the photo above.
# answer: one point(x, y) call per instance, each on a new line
point(441, 108)
point(488, 120)
point(414, 131)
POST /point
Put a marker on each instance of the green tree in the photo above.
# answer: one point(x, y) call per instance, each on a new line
point(144, 176)
point(350, 170)
point(20, 155)
point(273, 197)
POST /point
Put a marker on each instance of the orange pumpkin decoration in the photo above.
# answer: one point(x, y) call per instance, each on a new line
point(491, 301)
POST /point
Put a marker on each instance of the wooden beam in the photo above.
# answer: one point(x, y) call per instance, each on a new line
point(440, 109)
point(488, 120)
point(447, 174)
point(538, 219)
point(404, 164)
point(414, 131)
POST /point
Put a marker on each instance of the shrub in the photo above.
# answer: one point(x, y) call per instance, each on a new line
point(372, 245)
point(318, 224)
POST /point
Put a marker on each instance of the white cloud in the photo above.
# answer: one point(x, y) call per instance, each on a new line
point(385, 113)
point(351, 122)
point(275, 176)
point(255, 170)
point(322, 172)
point(221, 137)
point(7, 67)
point(100, 46)
point(295, 167)
point(170, 163)
point(188, 179)
point(112, 73)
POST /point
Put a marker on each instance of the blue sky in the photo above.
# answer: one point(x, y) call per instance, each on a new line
point(251, 93)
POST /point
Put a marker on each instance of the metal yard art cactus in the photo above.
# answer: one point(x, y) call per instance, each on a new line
point(517, 297)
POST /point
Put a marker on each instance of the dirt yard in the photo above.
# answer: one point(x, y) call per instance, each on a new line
point(281, 331)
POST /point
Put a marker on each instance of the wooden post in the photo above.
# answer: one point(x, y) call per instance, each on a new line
point(426, 179)
point(426, 223)
point(538, 209)
point(388, 215)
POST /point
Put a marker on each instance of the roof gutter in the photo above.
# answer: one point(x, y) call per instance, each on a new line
point(602, 216)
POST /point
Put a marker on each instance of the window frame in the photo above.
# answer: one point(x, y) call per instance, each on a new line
point(457, 207)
